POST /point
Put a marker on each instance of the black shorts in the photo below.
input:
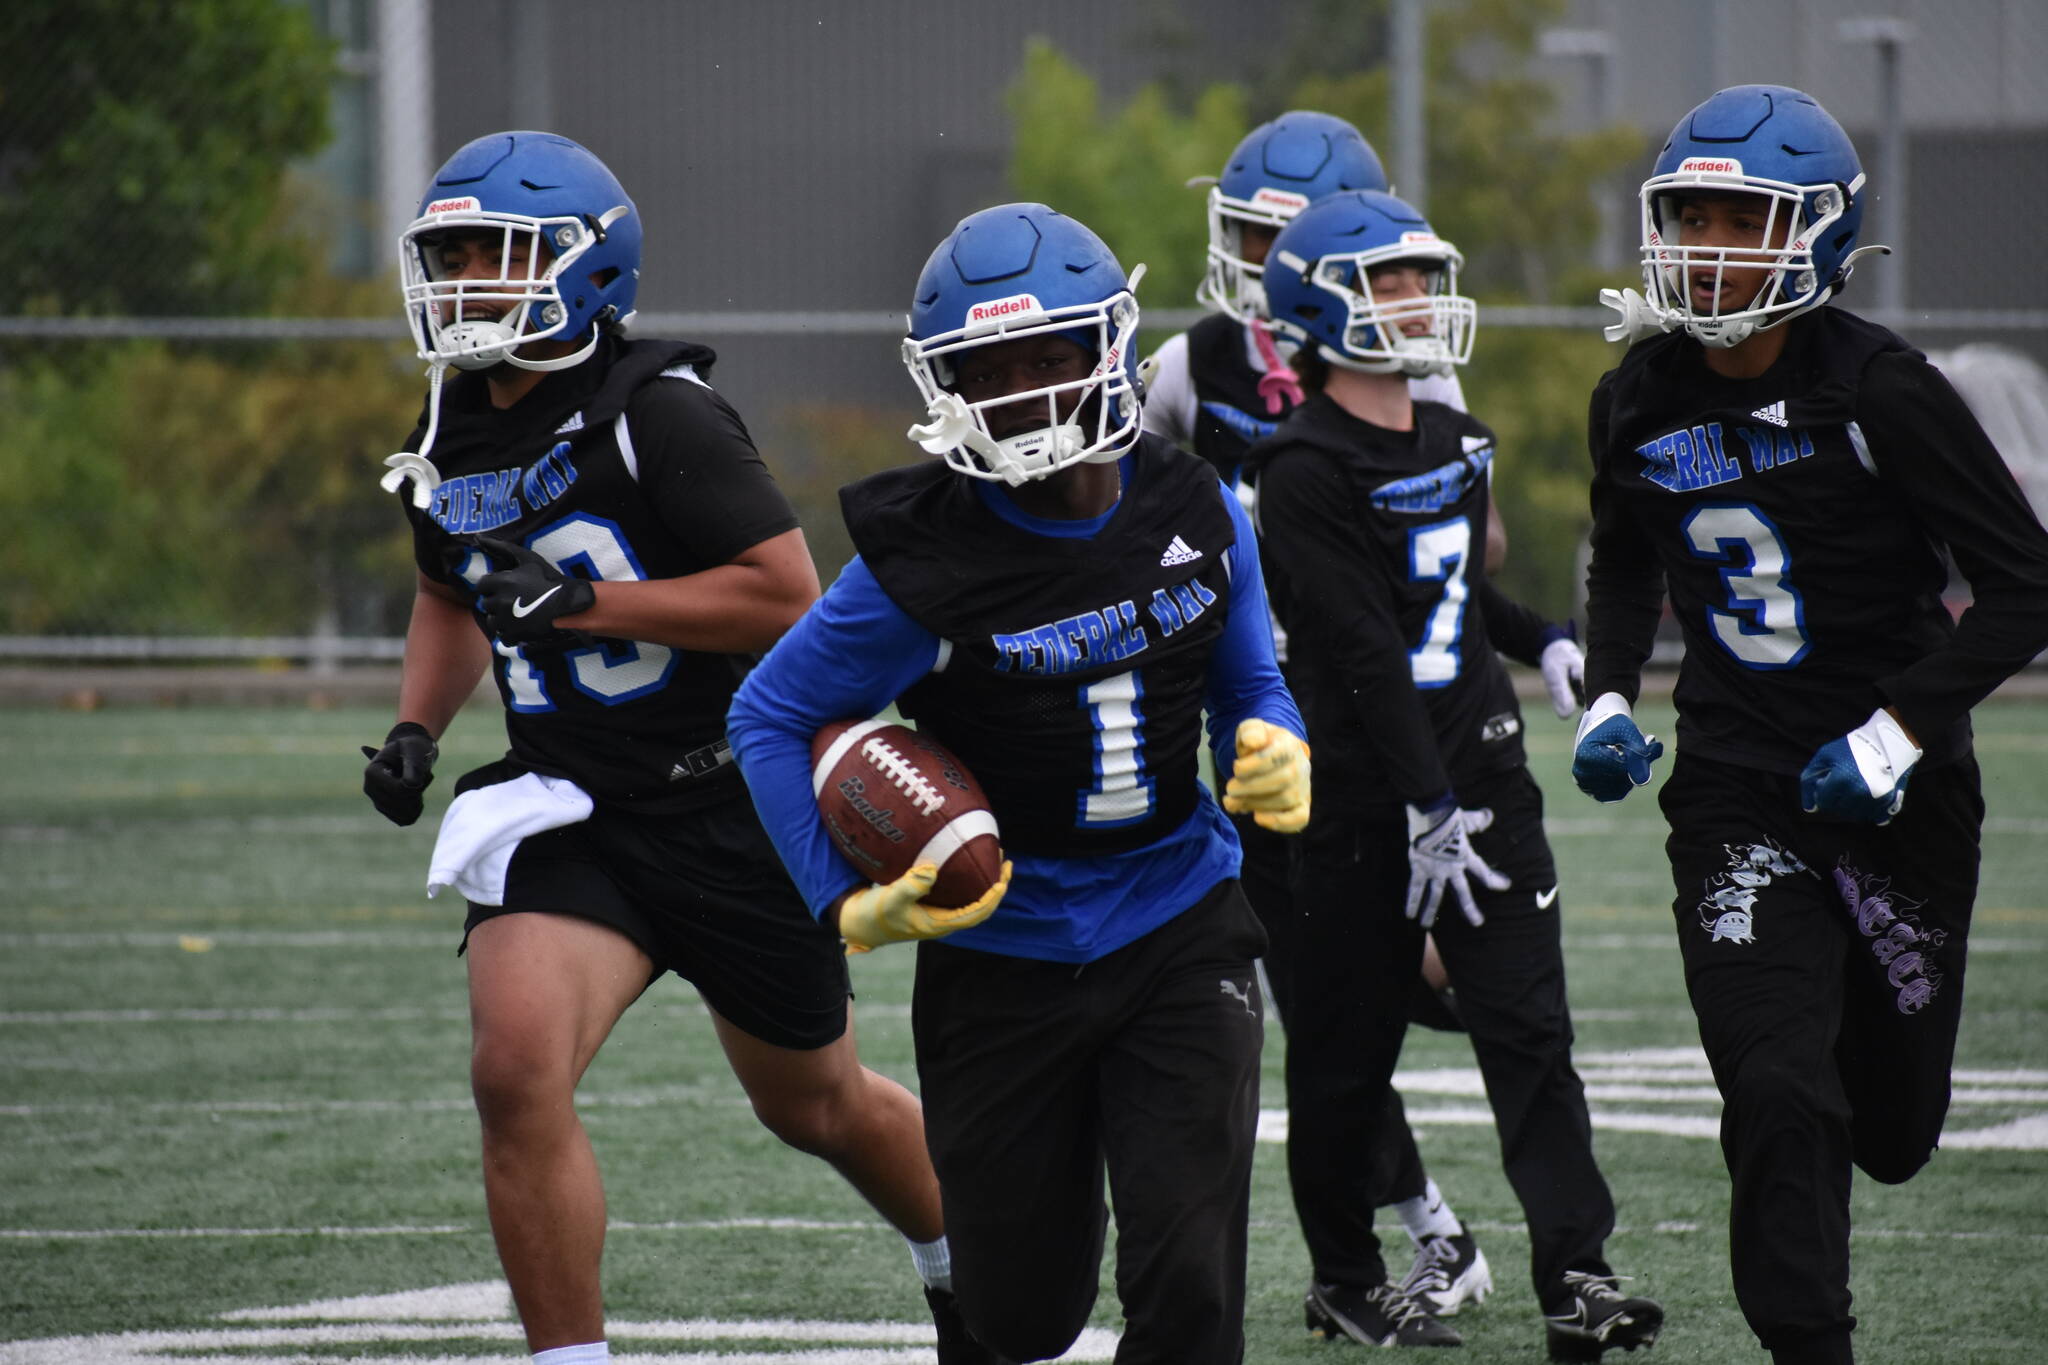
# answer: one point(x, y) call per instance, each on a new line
point(705, 896)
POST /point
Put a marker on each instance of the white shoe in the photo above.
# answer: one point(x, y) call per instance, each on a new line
point(1448, 1273)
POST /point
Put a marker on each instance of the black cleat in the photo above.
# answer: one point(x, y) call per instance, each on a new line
point(1379, 1316)
point(1448, 1273)
point(957, 1345)
point(1595, 1316)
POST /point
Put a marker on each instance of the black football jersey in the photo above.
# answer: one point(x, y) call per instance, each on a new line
point(1800, 522)
point(1230, 413)
point(625, 467)
point(1374, 543)
point(1070, 665)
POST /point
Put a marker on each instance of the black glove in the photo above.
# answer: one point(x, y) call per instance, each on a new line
point(398, 775)
point(521, 604)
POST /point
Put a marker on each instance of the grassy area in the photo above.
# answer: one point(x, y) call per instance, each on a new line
point(232, 1076)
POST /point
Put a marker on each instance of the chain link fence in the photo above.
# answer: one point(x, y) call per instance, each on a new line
point(201, 357)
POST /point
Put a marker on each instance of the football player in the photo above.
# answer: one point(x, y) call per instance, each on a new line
point(1371, 506)
point(1216, 389)
point(1799, 480)
point(1222, 385)
point(1057, 599)
point(591, 520)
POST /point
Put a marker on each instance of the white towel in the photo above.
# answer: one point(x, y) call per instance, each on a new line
point(484, 826)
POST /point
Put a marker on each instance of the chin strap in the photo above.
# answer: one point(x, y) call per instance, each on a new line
point(1638, 318)
point(563, 362)
point(407, 464)
point(1280, 386)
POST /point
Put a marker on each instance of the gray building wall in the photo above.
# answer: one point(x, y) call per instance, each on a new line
point(802, 156)
point(794, 155)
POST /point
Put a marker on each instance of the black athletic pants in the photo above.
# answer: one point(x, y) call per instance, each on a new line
point(1825, 963)
point(1395, 1166)
point(1356, 956)
point(1039, 1077)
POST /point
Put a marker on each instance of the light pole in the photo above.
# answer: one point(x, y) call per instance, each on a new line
point(1411, 156)
point(1596, 47)
point(1887, 35)
point(404, 37)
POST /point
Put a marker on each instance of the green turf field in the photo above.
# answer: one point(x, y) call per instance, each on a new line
point(232, 1092)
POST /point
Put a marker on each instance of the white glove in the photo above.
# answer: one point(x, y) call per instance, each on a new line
point(1564, 675)
point(1440, 854)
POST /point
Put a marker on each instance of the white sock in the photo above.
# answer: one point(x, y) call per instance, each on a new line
point(589, 1353)
point(934, 1262)
point(1427, 1215)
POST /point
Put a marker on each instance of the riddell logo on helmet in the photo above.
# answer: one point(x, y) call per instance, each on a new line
point(1281, 199)
point(1419, 239)
point(1711, 165)
point(464, 205)
point(1014, 306)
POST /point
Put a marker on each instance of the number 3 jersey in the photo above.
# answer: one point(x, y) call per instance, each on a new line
point(624, 467)
point(1801, 522)
point(1376, 543)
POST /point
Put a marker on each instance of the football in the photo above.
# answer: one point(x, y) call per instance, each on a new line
point(891, 799)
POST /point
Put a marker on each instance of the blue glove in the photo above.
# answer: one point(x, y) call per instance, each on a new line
point(1861, 776)
point(1611, 757)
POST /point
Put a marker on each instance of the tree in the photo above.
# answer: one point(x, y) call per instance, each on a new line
point(161, 491)
point(1513, 193)
point(144, 175)
point(1123, 173)
point(145, 152)
point(1517, 197)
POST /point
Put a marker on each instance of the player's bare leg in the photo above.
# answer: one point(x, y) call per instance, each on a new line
point(824, 1102)
point(544, 992)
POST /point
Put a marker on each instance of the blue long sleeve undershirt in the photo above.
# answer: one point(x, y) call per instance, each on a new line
point(855, 652)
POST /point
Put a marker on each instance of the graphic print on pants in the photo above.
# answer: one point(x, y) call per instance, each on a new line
point(1729, 909)
point(1902, 946)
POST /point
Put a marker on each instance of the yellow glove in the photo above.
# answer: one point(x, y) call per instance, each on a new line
point(896, 913)
point(1270, 779)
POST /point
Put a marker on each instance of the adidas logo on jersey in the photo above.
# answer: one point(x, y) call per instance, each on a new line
point(1774, 413)
point(1180, 552)
point(575, 423)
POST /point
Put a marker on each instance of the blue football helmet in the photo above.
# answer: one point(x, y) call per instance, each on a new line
point(1022, 270)
point(1779, 146)
point(552, 203)
point(1277, 171)
point(1319, 290)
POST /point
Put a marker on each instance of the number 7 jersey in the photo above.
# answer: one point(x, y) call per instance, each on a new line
point(1801, 522)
